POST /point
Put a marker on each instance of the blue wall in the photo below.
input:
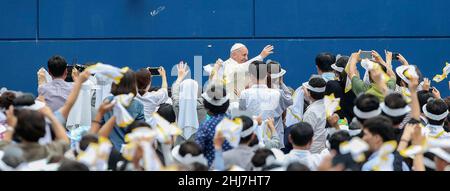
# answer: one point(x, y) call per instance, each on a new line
point(140, 33)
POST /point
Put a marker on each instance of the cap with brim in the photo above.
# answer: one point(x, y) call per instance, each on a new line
point(400, 71)
point(215, 102)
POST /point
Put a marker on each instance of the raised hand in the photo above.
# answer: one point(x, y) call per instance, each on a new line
point(426, 84)
point(162, 72)
point(268, 50)
point(402, 60)
point(182, 70)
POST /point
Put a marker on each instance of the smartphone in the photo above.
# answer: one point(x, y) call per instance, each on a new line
point(366, 55)
point(154, 71)
point(69, 73)
point(395, 55)
point(69, 70)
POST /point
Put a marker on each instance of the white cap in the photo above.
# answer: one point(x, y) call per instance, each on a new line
point(236, 46)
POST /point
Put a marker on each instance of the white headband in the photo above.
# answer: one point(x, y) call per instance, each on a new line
point(434, 116)
point(366, 115)
point(250, 130)
point(309, 87)
point(188, 158)
point(278, 75)
point(337, 68)
point(218, 102)
point(395, 112)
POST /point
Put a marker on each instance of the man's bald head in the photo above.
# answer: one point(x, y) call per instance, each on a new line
point(239, 53)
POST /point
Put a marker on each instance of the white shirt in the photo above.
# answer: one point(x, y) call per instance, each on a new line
point(152, 100)
point(305, 157)
point(260, 100)
point(435, 131)
point(236, 75)
point(316, 117)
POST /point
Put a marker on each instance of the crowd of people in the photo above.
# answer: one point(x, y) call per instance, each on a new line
point(98, 117)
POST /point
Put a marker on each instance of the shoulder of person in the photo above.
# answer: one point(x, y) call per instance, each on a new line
point(58, 146)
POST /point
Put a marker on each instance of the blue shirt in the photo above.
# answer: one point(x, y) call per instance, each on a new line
point(205, 137)
point(117, 136)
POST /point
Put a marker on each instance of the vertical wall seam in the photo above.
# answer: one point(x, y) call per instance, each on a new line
point(37, 21)
point(254, 18)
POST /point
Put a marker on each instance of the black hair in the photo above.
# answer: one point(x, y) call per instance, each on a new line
point(258, 69)
point(7, 99)
point(166, 111)
point(297, 166)
point(317, 82)
point(216, 92)
point(86, 140)
point(301, 134)
point(395, 101)
point(381, 126)
point(366, 103)
point(190, 147)
point(143, 79)
point(337, 138)
point(26, 99)
point(135, 125)
point(30, 125)
point(198, 167)
point(273, 67)
point(260, 156)
point(324, 61)
point(57, 65)
point(436, 107)
point(126, 85)
point(72, 165)
point(247, 123)
point(424, 96)
point(342, 62)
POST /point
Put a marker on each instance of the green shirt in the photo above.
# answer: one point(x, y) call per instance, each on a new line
point(358, 87)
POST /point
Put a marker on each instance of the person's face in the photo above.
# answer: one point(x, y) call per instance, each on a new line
point(306, 95)
point(240, 55)
point(371, 139)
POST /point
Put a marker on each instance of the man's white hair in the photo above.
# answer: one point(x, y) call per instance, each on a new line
point(236, 46)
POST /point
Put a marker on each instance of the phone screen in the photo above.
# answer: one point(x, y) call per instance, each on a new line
point(154, 71)
point(366, 55)
point(69, 73)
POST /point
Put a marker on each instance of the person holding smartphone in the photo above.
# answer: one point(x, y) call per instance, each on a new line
point(153, 99)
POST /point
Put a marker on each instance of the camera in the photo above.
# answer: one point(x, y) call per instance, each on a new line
point(80, 67)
